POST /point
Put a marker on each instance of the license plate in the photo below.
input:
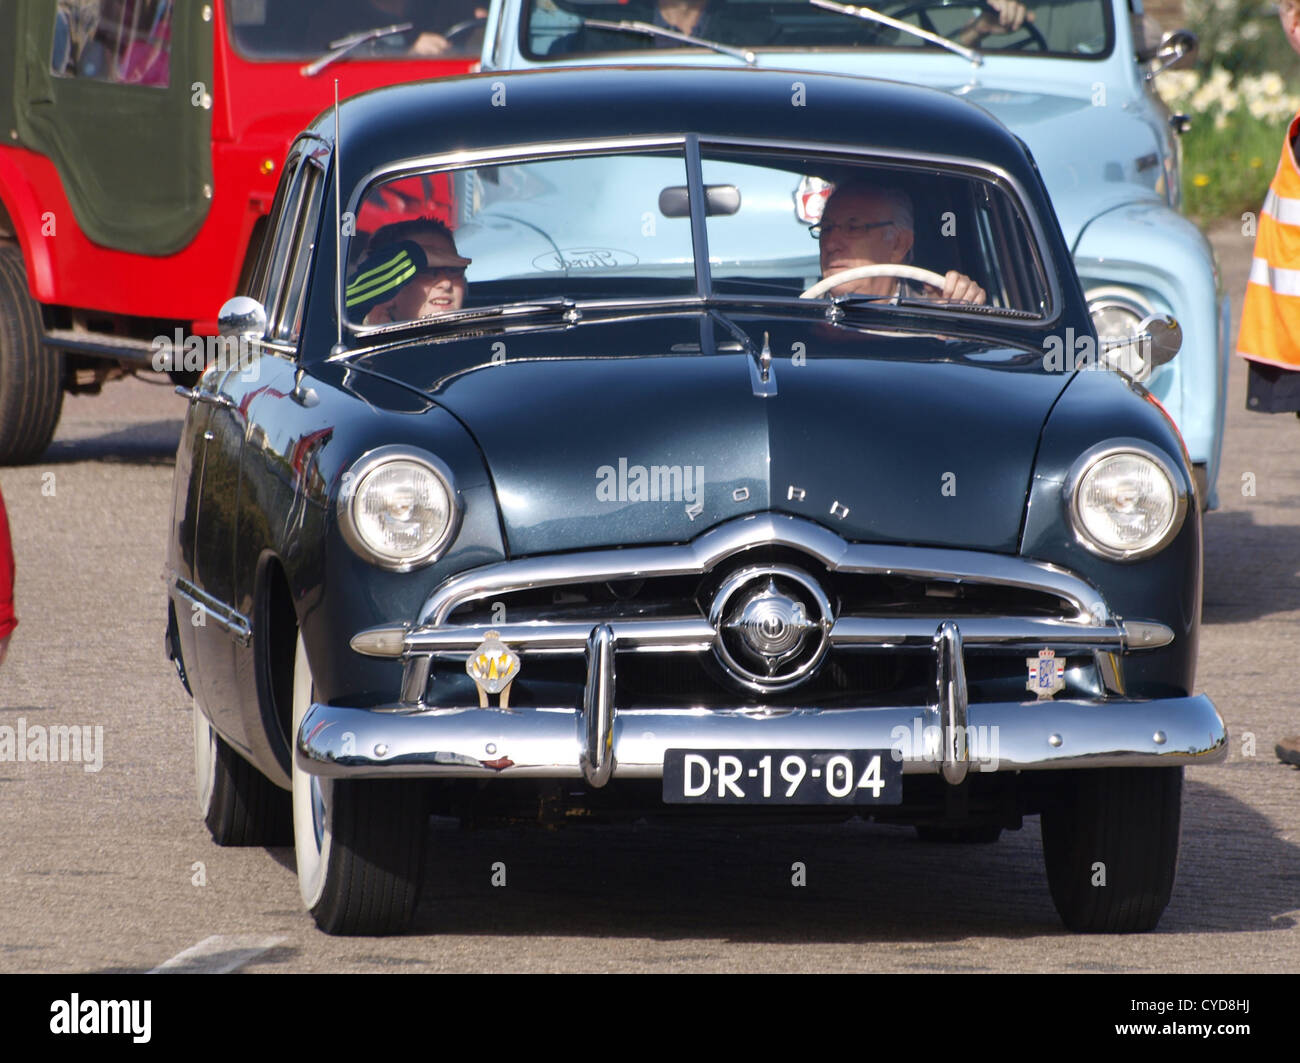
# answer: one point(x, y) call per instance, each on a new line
point(782, 777)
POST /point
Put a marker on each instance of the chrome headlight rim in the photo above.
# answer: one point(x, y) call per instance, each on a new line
point(1111, 297)
point(355, 476)
point(1092, 457)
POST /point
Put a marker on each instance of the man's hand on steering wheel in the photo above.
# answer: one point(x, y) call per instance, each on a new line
point(999, 16)
point(960, 287)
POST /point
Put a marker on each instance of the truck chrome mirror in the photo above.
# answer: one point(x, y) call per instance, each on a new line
point(1157, 340)
point(1176, 49)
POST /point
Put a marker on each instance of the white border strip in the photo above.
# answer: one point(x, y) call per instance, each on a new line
point(218, 954)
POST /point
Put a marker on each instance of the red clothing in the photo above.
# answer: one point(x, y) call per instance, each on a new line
point(7, 621)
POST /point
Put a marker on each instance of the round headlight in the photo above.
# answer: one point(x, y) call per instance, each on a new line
point(1115, 321)
point(1125, 503)
point(398, 508)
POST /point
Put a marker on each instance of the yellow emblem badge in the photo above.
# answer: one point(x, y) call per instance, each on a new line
point(493, 667)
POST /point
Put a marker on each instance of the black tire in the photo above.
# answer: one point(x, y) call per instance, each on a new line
point(373, 881)
point(1127, 820)
point(359, 843)
point(978, 834)
point(31, 374)
point(243, 806)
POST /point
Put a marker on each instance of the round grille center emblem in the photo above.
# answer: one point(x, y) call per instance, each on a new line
point(773, 623)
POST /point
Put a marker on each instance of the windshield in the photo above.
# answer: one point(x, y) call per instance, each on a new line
point(555, 29)
point(294, 30)
point(434, 243)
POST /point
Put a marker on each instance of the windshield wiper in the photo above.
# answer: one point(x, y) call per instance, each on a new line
point(971, 55)
point(645, 29)
point(560, 306)
point(341, 47)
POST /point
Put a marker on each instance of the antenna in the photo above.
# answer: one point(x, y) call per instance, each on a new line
point(338, 223)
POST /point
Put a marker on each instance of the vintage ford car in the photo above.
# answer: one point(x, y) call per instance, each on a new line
point(585, 506)
point(1075, 82)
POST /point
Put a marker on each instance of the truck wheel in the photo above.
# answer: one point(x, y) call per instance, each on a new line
point(1110, 843)
point(359, 843)
point(31, 374)
point(240, 805)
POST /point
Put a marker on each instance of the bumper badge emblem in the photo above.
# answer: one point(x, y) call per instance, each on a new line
point(1046, 674)
point(493, 667)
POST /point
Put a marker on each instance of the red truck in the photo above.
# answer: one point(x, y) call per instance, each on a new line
point(140, 149)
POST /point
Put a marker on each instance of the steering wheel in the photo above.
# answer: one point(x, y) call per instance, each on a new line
point(880, 269)
point(461, 28)
point(1035, 35)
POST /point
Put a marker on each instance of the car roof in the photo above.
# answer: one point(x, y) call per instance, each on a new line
point(488, 110)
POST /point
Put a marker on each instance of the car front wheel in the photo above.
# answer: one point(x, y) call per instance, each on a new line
point(240, 805)
point(1110, 842)
point(359, 843)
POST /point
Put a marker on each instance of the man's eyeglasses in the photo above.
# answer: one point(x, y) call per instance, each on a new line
point(850, 227)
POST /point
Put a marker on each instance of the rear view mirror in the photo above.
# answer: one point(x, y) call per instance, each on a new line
point(675, 200)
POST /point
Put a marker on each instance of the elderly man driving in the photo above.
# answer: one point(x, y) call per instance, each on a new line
point(866, 225)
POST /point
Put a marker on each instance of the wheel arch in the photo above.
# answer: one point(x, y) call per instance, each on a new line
point(275, 633)
point(20, 221)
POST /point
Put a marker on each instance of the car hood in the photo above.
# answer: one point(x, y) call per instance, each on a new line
point(1092, 158)
point(905, 439)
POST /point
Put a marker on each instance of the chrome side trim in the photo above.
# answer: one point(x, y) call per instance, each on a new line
point(951, 680)
point(764, 529)
point(230, 620)
point(598, 708)
point(547, 743)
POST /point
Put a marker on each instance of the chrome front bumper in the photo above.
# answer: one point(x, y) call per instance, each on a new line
point(556, 743)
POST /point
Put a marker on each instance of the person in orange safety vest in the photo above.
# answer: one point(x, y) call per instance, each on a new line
point(1269, 338)
point(1270, 319)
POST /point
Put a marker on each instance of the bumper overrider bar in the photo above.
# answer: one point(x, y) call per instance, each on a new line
point(595, 741)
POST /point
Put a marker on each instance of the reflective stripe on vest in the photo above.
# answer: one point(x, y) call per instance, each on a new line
point(1270, 316)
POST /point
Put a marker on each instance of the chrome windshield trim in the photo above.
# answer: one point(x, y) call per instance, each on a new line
point(762, 529)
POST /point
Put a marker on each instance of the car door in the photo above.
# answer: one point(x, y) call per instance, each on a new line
point(223, 635)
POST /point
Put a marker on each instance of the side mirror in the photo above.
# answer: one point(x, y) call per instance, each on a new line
point(1176, 49)
point(242, 318)
point(1157, 341)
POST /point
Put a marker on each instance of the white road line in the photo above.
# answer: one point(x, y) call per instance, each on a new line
point(219, 954)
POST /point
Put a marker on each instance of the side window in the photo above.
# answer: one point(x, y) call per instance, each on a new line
point(127, 43)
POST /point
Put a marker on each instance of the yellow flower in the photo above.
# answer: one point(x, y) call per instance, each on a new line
point(1256, 163)
point(1201, 180)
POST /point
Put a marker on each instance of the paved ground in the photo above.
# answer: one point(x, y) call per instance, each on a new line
point(113, 870)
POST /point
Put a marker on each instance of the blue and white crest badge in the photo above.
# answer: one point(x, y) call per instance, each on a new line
point(1046, 674)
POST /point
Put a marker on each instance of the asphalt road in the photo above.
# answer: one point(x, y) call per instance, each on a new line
point(112, 870)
